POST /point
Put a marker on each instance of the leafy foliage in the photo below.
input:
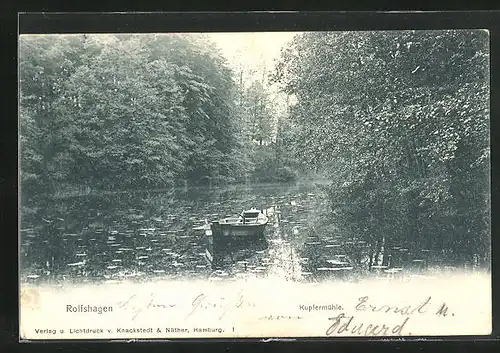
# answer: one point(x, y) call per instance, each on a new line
point(400, 121)
point(126, 111)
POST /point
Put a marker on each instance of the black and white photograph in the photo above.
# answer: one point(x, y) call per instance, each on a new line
point(254, 184)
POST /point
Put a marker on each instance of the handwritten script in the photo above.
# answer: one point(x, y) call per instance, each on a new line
point(357, 319)
point(137, 304)
point(344, 324)
point(220, 304)
point(215, 305)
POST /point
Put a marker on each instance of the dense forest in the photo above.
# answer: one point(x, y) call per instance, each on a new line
point(121, 112)
point(400, 122)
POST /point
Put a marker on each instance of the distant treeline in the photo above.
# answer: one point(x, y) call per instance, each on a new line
point(121, 112)
point(400, 121)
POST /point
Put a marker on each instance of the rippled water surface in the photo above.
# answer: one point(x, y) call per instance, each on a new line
point(141, 235)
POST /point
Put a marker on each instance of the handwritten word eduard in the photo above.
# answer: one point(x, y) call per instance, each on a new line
point(340, 326)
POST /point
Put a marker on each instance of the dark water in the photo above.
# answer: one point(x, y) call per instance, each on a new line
point(156, 234)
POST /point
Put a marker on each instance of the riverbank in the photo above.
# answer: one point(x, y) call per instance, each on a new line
point(68, 191)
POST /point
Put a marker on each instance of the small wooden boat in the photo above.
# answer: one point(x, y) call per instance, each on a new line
point(229, 236)
point(250, 224)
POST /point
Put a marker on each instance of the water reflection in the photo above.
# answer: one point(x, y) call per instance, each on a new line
point(147, 234)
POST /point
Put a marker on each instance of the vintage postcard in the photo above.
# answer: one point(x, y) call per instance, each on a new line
point(254, 185)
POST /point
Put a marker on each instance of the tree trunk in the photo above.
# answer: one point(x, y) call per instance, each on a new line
point(370, 263)
point(377, 253)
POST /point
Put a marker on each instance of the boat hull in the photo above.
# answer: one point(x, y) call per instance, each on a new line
point(223, 250)
point(238, 230)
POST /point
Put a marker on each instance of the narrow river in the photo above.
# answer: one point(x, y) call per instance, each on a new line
point(140, 235)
